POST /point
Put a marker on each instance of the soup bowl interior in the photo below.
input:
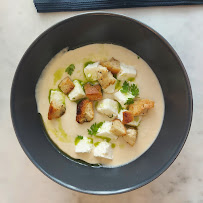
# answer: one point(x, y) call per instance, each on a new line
point(102, 28)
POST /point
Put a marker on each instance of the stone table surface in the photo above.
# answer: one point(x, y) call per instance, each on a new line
point(21, 181)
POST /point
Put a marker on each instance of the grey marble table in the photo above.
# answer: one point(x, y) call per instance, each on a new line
point(21, 181)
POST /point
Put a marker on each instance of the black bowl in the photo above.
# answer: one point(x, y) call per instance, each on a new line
point(155, 50)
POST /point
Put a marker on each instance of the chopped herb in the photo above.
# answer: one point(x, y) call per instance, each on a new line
point(77, 139)
point(96, 144)
point(87, 63)
point(134, 90)
point(125, 87)
point(138, 57)
point(107, 139)
point(131, 79)
point(113, 145)
point(129, 101)
point(70, 69)
point(94, 128)
point(118, 84)
point(119, 107)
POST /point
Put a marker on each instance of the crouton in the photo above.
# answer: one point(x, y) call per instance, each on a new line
point(140, 107)
point(93, 92)
point(57, 104)
point(105, 78)
point(118, 128)
point(56, 111)
point(66, 85)
point(127, 117)
point(85, 111)
point(131, 136)
point(112, 65)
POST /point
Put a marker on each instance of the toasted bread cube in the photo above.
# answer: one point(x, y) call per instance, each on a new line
point(103, 150)
point(131, 136)
point(140, 107)
point(66, 85)
point(112, 65)
point(84, 146)
point(105, 131)
point(57, 105)
point(127, 118)
point(85, 112)
point(91, 70)
point(93, 92)
point(77, 93)
point(122, 98)
point(118, 128)
point(126, 72)
point(108, 107)
point(105, 77)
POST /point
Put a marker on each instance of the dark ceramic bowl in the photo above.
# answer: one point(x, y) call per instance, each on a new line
point(155, 50)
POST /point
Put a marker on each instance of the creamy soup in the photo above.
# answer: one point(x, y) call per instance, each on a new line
point(64, 130)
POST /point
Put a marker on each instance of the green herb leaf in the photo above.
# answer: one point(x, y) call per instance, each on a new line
point(125, 87)
point(138, 57)
point(70, 69)
point(77, 139)
point(94, 128)
point(129, 101)
point(134, 90)
point(87, 63)
point(113, 145)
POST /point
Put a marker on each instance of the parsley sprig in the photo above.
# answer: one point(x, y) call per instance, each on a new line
point(129, 101)
point(70, 69)
point(125, 87)
point(94, 128)
point(133, 89)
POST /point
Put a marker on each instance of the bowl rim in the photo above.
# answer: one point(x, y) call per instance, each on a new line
point(190, 115)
